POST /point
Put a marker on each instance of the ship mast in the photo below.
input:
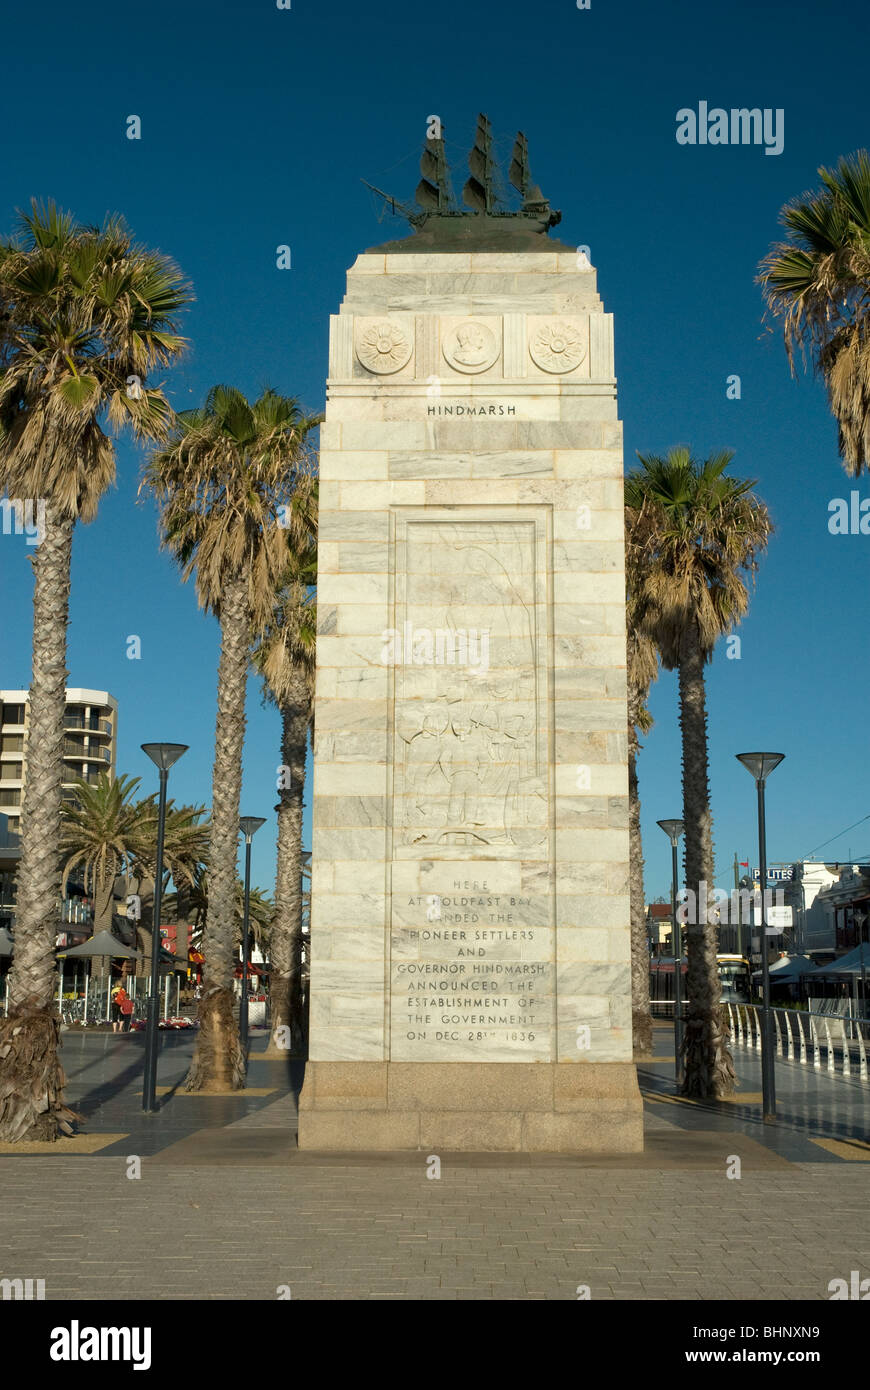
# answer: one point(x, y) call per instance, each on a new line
point(479, 191)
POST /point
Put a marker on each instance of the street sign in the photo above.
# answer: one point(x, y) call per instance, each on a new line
point(776, 875)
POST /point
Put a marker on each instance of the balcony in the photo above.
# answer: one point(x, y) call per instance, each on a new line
point(71, 749)
point(89, 724)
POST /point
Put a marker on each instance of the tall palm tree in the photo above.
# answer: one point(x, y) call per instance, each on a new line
point(285, 657)
point(87, 314)
point(699, 533)
point(818, 283)
point(230, 484)
point(642, 669)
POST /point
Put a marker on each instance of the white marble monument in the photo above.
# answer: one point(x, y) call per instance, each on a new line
point(470, 976)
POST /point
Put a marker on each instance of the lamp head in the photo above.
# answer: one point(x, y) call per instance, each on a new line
point(249, 825)
point(760, 765)
point(163, 755)
point(672, 828)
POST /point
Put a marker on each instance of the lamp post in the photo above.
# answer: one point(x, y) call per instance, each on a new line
point(674, 829)
point(248, 826)
point(163, 755)
point(760, 765)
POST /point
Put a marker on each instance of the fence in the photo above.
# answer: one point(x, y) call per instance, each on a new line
point(93, 1004)
point(802, 1035)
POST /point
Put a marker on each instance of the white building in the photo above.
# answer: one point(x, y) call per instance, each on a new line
point(89, 747)
point(90, 739)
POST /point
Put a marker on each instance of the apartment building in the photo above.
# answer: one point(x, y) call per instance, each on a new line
point(89, 744)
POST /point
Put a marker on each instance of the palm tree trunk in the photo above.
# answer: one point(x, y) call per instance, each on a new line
point(218, 1062)
point(104, 903)
point(709, 1068)
point(31, 1076)
point(641, 1017)
point(285, 981)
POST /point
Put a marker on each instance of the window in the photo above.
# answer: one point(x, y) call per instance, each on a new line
point(10, 772)
point(9, 797)
point(13, 714)
point(12, 743)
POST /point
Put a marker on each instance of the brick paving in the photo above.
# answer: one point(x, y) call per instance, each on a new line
point(367, 1232)
point(227, 1208)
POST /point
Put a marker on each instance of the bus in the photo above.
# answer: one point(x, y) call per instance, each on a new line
point(734, 977)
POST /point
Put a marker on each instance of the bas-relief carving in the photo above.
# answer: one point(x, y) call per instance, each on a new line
point(383, 347)
point(471, 741)
point(470, 347)
point(557, 347)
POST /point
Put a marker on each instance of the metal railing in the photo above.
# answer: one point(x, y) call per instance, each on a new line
point(802, 1035)
point(96, 752)
point(90, 725)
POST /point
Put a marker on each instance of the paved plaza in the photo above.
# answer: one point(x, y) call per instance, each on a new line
point(227, 1207)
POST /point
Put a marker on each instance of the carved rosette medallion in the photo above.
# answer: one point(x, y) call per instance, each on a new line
point(470, 347)
point(384, 347)
point(556, 347)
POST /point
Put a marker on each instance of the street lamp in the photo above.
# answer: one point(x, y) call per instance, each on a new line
point(248, 826)
point(163, 755)
point(674, 829)
point(760, 766)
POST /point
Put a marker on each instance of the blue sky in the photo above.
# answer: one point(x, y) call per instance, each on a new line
point(257, 125)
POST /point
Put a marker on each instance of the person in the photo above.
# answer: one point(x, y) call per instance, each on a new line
point(120, 997)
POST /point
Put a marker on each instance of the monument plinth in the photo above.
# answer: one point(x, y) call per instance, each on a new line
point(470, 972)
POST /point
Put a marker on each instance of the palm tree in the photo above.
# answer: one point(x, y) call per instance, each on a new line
point(109, 835)
point(261, 912)
point(196, 903)
point(231, 483)
point(87, 314)
point(698, 533)
point(285, 657)
point(818, 283)
point(642, 669)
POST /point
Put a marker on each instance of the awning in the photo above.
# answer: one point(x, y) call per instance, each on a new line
point(103, 944)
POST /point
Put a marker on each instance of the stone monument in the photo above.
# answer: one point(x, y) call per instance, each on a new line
point(470, 975)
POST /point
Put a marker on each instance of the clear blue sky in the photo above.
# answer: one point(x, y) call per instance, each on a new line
point(257, 124)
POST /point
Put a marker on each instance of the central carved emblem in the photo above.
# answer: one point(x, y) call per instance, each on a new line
point(470, 347)
point(384, 347)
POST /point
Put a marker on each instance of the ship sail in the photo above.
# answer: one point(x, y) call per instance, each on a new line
point(519, 169)
point(433, 190)
point(478, 192)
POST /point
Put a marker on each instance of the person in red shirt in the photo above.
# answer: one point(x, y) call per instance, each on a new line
point(122, 1008)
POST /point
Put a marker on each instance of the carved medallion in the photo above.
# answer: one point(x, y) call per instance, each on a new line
point(470, 347)
point(384, 347)
point(557, 347)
